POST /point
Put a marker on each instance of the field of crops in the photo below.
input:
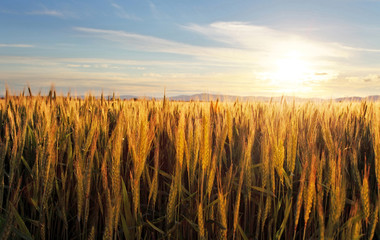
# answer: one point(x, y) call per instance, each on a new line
point(113, 169)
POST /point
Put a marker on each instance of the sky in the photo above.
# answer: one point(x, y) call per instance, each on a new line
point(143, 48)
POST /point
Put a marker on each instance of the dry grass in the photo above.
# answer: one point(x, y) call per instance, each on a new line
point(113, 169)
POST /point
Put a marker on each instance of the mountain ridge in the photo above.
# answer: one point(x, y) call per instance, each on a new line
point(224, 97)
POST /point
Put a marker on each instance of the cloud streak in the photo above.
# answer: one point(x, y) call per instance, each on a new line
point(85, 74)
point(243, 44)
point(255, 49)
point(154, 44)
point(240, 62)
point(50, 61)
point(47, 12)
point(5, 45)
point(263, 39)
point(120, 11)
point(370, 50)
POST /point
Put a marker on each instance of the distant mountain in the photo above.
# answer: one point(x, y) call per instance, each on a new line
point(130, 97)
point(352, 99)
point(358, 99)
point(374, 98)
point(127, 97)
point(221, 97)
point(206, 97)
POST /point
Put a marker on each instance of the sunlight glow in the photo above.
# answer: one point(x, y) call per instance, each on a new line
point(291, 71)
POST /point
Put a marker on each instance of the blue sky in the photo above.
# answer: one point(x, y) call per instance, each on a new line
point(271, 48)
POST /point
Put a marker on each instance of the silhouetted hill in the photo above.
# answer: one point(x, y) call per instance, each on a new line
point(358, 99)
point(214, 97)
point(222, 97)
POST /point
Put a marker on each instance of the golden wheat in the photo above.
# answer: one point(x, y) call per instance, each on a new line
point(73, 168)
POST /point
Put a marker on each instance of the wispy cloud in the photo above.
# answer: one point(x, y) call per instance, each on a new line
point(240, 44)
point(47, 12)
point(153, 44)
point(254, 37)
point(6, 11)
point(4, 45)
point(120, 11)
point(241, 54)
point(136, 64)
point(358, 49)
point(142, 77)
point(258, 38)
point(155, 12)
point(252, 50)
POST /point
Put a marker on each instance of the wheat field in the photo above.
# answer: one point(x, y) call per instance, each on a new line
point(112, 169)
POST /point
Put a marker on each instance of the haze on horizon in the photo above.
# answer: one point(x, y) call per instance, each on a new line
point(247, 48)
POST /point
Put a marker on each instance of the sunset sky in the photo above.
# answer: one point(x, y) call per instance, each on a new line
point(248, 48)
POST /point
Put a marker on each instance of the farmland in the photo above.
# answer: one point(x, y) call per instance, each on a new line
point(112, 169)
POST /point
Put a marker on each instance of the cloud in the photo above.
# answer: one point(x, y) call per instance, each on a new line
point(251, 53)
point(351, 85)
point(47, 12)
point(74, 65)
point(154, 11)
point(80, 80)
point(6, 11)
point(372, 78)
point(79, 65)
point(239, 43)
point(143, 42)
point(320, 74)
point(41, 72)
point(236, 63)
point(264, 39)
point(151, 80)
point(369, 79)
point(359, 49)
point(5, 45)
point(147, 43)
point(78, 62)
point(120, 12)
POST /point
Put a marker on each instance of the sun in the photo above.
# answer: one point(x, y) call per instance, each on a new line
point(291, 71)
